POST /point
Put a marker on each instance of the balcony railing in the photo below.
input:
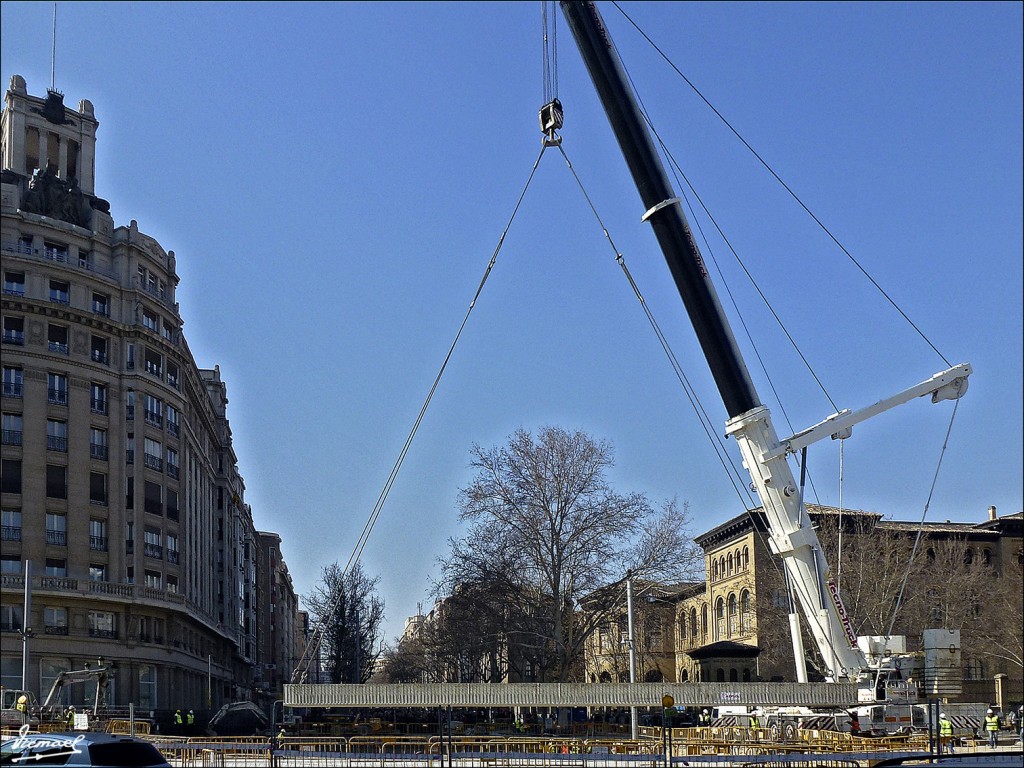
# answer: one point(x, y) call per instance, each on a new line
point(172, 471)
point(129, 547)
point(172, 428)
point(110, 634)
point(129, 456)
point(12, 437)
point(56, 443)
point(60, 347)
point(98, 451)
point(58, 538)
point(98, 543)
point(153, 462)
point(10, 533)
point(129, 412)
point(57, 396)
point(100, 309)
point(154, 370)
point(14, 289)
point(154, 418)
point(55, 630)
point(17, 338)
point(98, 405)
point(14, 389)
point(153, 550)
point(99, 356)
point(172, 556)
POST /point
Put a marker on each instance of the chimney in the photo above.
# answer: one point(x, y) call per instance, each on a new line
point(991, 513)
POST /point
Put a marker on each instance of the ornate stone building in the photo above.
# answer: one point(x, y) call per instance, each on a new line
point(120, 486)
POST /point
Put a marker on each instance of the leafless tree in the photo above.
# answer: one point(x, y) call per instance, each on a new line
point(347, 606)
point(545, 530)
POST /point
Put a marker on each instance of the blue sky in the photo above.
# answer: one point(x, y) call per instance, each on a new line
point(334, 177)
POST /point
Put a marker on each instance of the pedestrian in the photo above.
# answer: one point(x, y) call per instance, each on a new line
point(945, 734)
point(992, 728)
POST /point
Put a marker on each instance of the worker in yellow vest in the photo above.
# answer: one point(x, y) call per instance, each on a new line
point(992, 728)
point(945, 734)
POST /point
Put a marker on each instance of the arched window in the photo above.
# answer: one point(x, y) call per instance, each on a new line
point(704, 620)
point(730, 562)
point(733, 628)
point(968, 556)
point(746, 674)
point(746, 558)
point(684, 676)
point(693, 623)
point(721, 566)
point(719, 675)
point(719, 619)
point(986, 556)
point(745, 615)
point(733, 675)
point(714, 570)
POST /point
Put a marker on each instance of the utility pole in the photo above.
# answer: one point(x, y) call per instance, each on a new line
point(26, 630)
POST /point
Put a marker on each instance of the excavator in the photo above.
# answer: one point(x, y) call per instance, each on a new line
point(20, 706)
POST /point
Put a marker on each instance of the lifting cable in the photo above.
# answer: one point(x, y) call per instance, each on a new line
point(312, 647)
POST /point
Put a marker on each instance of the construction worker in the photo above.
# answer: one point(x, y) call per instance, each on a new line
point(22, 705)
point(992, 728)
point(704, 718)
point(945, 734)
point(71, 717)
point(190, 719)
point(755, 722)
point(177, 721)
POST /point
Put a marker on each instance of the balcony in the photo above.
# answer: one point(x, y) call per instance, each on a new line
point(17, 338)
point(129, 456)
point(60, 347)
point(10, 533)
point(172, 513)
point(55, 630)
point(173, 429)
point(97, 405)
point(153, 550)
point(100, 309)
point(56, 443)
point(154, 418)
point(109, 634)
point(172, 556)
point(57, 396)
point(12, 437)
point(172, 471)
point(129, 547)
point(98, 451)
point(154, 370)
point(57, 538)
point(129, 412)
point(153, 462)
point(98, 543)
point(99, 356)
point(13, 389)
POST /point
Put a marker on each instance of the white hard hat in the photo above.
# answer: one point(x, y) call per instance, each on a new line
point(705, 711)
point(989, 712)
point(943, 714)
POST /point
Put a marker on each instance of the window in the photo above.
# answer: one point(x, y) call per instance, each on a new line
point(172, 374)
point(55, 620)
point(60, 292)
point(129, 574)
point(14, 283)
point(101, 304)
point(153, 579)
point(167, 331)
point(147, 686)
point(746, 611)
point(152, 454)
point(129, 537)
point(172, 463)
point(98, 488)
point(150, 320)
point(12, 429)
point(14, 331)
point(10, 475)
point(56, 435)
point(732, 625)
point(10, 621)
point(57, 388)
point(154, 363)
point(746, 558)
point(99, 350)
point(151, 544)
point(98, 535)
point(98, 443)
point(129, 493)
point(56, 529)
point(172, 584)
point(693, 624)
point(55, 251)
point(101, 624)
point(56, 481)
point(97, 572)
point(154, 411)
point(129, 448)
point(172, 548)
point(11, 520)
point(129, 356)
point(98, 398)
point(10, 564)
point(172, 421)
point(14, 382)
point(56, 566)
point(172, 504)
point(153, 500)
point(719, 619)
point(129, 404)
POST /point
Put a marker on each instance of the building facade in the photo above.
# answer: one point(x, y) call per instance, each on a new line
point(277, 613)
point(121, 497)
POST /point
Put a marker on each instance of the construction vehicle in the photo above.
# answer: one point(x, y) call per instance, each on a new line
point(100, 674)
point(18, 708)
point(765, 456)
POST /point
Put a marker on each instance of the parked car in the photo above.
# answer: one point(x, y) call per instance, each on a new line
point(42, 750)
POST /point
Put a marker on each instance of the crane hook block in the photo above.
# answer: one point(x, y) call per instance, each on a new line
point(551, 121)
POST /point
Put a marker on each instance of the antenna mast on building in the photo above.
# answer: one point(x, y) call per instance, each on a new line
point(53, 49)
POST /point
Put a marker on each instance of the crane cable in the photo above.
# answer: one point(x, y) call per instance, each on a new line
point(316, 638)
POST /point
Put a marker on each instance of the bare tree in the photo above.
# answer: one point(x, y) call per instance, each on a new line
point(347, 606)
point(545, 530)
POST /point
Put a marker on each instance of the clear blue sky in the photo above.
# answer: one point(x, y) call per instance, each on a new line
point(333, 178)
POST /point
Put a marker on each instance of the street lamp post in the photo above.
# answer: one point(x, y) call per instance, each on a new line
point(632, 651)
point(26, 630)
